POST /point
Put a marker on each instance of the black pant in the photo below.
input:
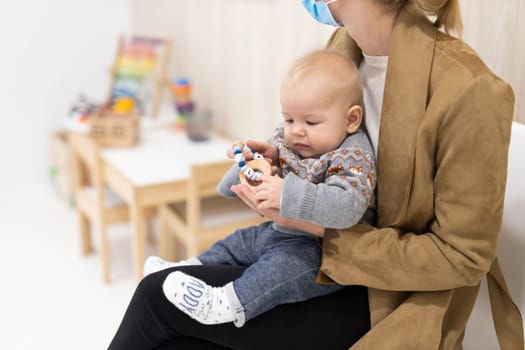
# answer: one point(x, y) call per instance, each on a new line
point(334, 321)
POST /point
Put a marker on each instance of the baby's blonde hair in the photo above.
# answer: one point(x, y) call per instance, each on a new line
point(331, 64)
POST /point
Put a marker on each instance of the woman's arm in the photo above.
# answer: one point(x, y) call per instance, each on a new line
point(467, 185)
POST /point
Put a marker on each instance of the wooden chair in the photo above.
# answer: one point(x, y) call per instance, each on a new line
point(97, 206)
point(205, 216)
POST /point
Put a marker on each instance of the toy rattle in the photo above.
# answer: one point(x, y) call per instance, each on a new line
point(250, 171)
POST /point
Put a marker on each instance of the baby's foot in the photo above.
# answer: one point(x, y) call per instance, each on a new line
point(205, 304)
point(154, 264)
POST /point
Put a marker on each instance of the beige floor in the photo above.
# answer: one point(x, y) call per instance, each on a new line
point(50, 296)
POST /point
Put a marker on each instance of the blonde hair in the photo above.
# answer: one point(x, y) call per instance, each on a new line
point(330, 64)
point(447, 12)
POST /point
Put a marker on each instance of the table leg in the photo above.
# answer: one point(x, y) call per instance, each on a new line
point(139, 237)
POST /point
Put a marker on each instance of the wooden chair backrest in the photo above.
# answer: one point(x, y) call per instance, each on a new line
point(205, 177)
point(205, 217)
point(201, 185)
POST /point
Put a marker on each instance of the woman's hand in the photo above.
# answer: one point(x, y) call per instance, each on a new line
point(247, 194)
point(268, 193)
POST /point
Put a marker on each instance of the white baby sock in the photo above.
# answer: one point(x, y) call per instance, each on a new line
point(205, 304)
point(154, 264)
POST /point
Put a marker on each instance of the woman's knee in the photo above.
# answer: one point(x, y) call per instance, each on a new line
point(149, 290)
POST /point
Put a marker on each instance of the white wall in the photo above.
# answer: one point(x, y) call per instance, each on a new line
point(235, 50)
point(49, 52)
point(496, 29)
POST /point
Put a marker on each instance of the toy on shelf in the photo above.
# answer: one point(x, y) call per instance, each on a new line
point(184, 106)
point(79, 113)
point(196, 122)
point(123, 105)
point(138, 79)
point(140, 74)
point(82, 108)
point(116, 125)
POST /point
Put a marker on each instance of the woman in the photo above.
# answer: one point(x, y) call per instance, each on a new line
point(440, 124)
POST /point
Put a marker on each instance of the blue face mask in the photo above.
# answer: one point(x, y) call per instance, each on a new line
point(320, 12)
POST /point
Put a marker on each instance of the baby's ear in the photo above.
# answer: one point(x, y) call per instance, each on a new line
point(354, 117)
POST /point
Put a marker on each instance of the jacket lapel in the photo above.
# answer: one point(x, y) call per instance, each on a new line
point(404, 103)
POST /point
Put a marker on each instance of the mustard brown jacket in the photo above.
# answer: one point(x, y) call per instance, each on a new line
point(442, 160)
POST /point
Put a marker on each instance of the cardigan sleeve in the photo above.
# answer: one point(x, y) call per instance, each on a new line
point(228, 180)
point(468, 191)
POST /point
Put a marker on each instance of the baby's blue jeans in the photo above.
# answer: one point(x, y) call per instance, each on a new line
point(281, 267)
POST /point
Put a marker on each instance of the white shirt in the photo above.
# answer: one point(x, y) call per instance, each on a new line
point(373, 74)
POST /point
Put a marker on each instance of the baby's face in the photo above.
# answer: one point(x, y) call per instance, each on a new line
point(315, 116)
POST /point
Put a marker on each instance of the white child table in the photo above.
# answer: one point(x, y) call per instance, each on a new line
point(153, 173)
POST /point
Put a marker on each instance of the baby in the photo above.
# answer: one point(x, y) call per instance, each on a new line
point(327, 178)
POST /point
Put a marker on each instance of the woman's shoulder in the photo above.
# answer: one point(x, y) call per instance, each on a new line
point(459, 58)
point(456, 67)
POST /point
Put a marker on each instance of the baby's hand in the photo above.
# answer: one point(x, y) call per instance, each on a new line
point(268, 151)
point(247, 155)
point(268, 193)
